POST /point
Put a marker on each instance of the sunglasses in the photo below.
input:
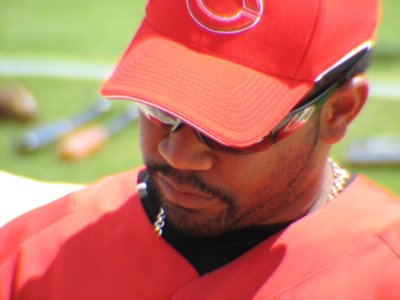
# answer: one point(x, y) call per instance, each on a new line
point(289, 124)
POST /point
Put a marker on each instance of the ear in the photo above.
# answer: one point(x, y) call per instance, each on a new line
point(344, 105)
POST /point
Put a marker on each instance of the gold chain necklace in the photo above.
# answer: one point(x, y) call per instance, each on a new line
point(340, 178)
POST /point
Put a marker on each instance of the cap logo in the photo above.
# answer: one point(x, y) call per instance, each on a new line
point(237, 20)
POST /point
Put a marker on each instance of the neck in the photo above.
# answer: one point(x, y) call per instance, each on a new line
point(325, 187)
point(334, 181)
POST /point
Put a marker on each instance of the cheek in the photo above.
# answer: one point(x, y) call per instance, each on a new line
point(244, 175)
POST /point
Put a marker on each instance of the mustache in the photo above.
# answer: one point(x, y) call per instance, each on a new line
point(190, 179)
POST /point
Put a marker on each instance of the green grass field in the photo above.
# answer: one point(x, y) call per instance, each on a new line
point(97, 33)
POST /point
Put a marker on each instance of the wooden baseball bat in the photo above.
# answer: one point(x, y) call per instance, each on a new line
point(44, 135)
point(84, 142)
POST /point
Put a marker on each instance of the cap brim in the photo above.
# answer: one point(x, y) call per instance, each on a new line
point(231, 103)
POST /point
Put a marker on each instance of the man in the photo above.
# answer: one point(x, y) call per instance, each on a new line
point(240, 103)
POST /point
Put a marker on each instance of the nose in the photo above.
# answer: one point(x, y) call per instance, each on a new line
point(182, 150)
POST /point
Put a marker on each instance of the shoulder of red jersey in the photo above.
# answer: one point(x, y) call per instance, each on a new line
point(71, 212)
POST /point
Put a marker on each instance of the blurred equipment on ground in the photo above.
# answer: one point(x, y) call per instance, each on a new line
point(84, 142)
point(44, 135)
point(374, 151)
point(16, 102)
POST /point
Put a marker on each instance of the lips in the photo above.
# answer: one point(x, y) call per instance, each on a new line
point(185, 196)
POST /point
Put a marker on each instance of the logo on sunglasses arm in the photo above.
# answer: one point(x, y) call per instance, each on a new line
point(240, 20)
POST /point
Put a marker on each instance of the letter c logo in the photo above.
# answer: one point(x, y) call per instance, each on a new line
point(248, 16)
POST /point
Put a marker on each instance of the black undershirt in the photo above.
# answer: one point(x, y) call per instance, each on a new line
point(207, 254)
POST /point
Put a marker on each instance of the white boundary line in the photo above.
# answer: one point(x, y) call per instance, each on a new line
point(76, 70)
point(54, 68)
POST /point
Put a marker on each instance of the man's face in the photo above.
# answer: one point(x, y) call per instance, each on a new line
point(207, 193)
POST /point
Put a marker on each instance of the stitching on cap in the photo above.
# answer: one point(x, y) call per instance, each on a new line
point(195, 46)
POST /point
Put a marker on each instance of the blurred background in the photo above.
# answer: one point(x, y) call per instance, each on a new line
point(54, 55)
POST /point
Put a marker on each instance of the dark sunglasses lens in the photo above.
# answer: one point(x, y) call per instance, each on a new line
point(292, 123)
point(261, 145)
point(159, 118)
point(288, 125)
point(158, 123)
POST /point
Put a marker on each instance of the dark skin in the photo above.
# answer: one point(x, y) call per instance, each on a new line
point(207, 193)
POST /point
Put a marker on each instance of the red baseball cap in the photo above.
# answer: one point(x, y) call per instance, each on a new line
point(233, 69)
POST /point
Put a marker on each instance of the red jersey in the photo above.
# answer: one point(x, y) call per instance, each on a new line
point(97, 243)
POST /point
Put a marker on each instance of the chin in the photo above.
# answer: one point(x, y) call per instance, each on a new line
point(197, 224)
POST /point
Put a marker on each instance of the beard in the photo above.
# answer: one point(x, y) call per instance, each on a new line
point(186, 220)
point(267, 202)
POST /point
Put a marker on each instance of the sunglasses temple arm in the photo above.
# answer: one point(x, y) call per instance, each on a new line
point(272, 137)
